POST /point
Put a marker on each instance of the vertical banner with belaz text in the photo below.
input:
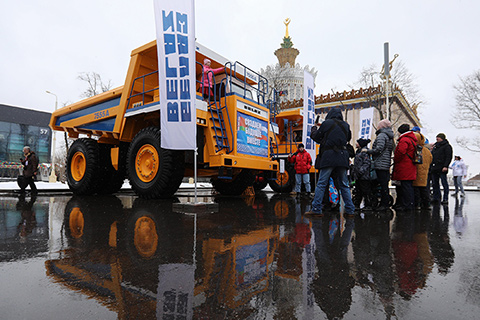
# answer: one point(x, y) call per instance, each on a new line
point(175, 23)
point(366, 122)
point(308, 112)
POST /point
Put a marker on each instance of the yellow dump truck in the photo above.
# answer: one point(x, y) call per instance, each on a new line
point(117, 133)
point(285, 136)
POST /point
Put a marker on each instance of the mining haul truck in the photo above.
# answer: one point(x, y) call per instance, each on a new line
point(117, 133)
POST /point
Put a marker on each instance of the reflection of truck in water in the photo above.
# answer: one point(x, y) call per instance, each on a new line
point(141, 262)
point(122, 129)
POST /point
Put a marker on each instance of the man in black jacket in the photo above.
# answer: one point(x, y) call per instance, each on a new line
point(442, 156)
point(332, 135)
point(30, 167)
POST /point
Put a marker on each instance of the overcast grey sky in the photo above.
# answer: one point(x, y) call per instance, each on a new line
point(46, 44)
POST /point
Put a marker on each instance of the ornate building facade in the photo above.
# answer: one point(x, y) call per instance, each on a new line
point(286, 75)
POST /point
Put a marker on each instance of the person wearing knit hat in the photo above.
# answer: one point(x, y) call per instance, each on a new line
point(404, 170)
point(381, 153)
point(403, 128)
point(416, 129)
point(362, 175)
point(442, 153)
point(302, 163)
point(385, 123)
point(362, 143)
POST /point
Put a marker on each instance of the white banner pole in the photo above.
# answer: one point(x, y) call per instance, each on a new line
point(195, 172)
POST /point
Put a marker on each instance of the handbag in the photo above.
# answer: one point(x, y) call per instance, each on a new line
point(22, 182)
point(332, 192)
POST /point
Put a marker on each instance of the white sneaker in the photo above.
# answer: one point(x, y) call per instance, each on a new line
point(462, 194)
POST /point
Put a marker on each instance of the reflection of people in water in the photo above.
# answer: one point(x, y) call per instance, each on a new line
point(333, 284)
point(412, 256)
point(28, 222)
point(440, 240)
point(373, 258)
point(460, 220)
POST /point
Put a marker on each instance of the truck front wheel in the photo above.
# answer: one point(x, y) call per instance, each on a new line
point(285, 181)
point(83, 166)
point(154, 172)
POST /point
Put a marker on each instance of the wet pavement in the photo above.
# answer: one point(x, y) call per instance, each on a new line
point(119, 257)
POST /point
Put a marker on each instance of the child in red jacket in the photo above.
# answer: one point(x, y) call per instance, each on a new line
point(303, 163)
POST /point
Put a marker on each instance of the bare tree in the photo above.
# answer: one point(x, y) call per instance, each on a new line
point(95, 84)
point(400, 79)
point(467, 113)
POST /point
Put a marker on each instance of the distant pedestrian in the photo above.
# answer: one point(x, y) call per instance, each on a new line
point(361, 174)
point(333, 136)
point(30, 168)
point(382, 159)
point(442, 156)
point(303, 163)
point(404, 169)
point(422, 194)
point(459, 170)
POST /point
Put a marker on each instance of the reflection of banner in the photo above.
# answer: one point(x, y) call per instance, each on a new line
point(308, 112)
point(366, 119)
point(251, 263)
point(175, 22)
point(252, 135)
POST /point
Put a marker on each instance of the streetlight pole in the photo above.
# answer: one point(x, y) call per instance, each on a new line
point(386, 67)
point(53, 176)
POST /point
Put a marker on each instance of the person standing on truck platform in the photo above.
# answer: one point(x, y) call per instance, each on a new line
point(30, 167)
point(333, 136)
point(303, 163)
point(207, 79)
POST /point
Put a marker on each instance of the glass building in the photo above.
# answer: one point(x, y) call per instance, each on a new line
point(21, 127)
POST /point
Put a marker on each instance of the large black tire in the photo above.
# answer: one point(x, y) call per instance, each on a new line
point(112, 179)
point(284, 182)
point(163, 180)
point(236, 185)
point(83, 167)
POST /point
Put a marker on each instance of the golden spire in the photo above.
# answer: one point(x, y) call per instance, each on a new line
point(287, 22)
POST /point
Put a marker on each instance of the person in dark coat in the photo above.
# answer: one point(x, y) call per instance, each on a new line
point(442, 156)
point(382, 159)
point(333, 136)
point(404, 170)
point(30, 168)
point(361, 174)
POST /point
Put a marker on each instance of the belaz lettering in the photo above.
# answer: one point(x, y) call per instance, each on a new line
point(177, 66)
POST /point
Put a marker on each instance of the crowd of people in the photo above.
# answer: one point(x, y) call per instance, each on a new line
point(416, 169)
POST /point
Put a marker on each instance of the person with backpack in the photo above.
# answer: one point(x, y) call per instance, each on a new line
point(303, 163)
point(442, 156)
point(362, 176)
point(404, 169)
point(333, 136)
point(422, 194)
point(459, 172)
point(381, 152)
